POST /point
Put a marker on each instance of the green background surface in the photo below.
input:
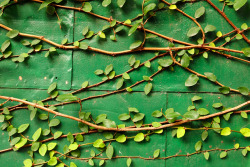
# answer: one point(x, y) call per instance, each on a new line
point(71, 68)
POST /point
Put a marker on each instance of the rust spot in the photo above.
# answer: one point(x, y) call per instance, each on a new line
point(218, 97)
point(222, 141)
point(20, 78)
point(210, 146)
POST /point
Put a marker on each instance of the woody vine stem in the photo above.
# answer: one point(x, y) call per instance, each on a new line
point(179, 53)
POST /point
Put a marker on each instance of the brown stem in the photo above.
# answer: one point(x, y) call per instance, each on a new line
point(123, 129)
point(227, 19)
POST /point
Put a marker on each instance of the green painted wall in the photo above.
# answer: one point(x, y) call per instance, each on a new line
point(70, 68)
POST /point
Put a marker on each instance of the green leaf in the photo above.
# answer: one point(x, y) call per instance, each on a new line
point(51, 146)
point(99, 143)
point(83, 45)
point(125, 76)
point(119, 83)
point(148, 8)
point(43, 149)
point(4, 3)
point(156, 153)
point(165, 62)
point(131, 60)
point(203, 111)
point(148, 88)
point(180, 132)
point(98, 72)
point(239, 4)
point(147, 64)
point(139, 137)
point(37, 134)
point(66, 98)
point(43, 116)
point(54, 122)
point(157, 114)
point(85, 30)
point(246, 52)
point(205, 55)
point(105, 3)
point(118, 29)
point(156, 124)
point(73, 146)
point(90, 33)
point(79, 137)
point(15, 141)
point(133, 29)
point(51, 10)
point(219, 34)
point(199, 12)
point(138, 117)
point(110, 151)
point(45, 4)
point(12, 33)
point(192, 80)
point(52, 161)
point(132, 109)
point(146, 78)
point(244, 91)
point(196, 98)
point(198, 146)
point(64, 41)
point(87, 7)
point(135, 45)
point(21, 143)
point(22, 128)
point(204, 135)
point(102, 161)
point(35, 42)
point(100, 118)
point(57, 134)
point(224, 90)
point(124, 117)
point(223, 154)
point(237, 145)
point(108, 69)
point(185, 60)
point(238, 36)
point(172, 7)
point(129, 161)
point(137, 63)
point(191, 115)
point(206, 155)
point(245, 132)
point(209, 28)
point(227, 116)
point(244, 115)
point(85, 84)
point(244, 26)
point(226, 131)
point(27, 163)
point(217, 105)
point(72, 164)
point(193, 31)
point(120, 3)
point(210, 76)
point(121, 139)
point(244, 152)
point(6, 44)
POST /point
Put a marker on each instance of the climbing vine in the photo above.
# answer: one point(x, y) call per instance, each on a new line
point(45, 142)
